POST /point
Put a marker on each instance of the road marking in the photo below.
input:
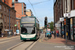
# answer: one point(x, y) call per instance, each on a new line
point(14, 46)
point(29, 48)
point(7, 41)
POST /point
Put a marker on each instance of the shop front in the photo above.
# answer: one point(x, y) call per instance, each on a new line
point(58, 27)
point(61, 25)
point(72, 25)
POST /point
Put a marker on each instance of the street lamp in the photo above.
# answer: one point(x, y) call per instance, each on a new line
point(9, 23)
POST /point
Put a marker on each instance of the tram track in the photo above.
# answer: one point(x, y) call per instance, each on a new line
point(29, 46)
point(11, 48)
point(21, 44)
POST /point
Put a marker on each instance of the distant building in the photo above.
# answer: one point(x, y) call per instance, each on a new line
point(29, 12)
point(20, 8)
point(4, 18)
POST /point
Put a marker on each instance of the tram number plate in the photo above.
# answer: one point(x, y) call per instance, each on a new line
point(27, 39)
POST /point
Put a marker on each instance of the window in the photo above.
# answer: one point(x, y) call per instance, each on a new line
point(4, 8)
point(0, 15)
point(0, 7)
point(7, 10)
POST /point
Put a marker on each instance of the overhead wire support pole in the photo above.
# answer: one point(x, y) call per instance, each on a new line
point(9, 23)
point(66, 25)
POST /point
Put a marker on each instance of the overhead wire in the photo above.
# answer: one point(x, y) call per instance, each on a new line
point(41, 2)
point(34, 9)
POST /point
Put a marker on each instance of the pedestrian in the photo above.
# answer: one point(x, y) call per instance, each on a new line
point(1, 34)
point(57, 32)
point(54, 33)
point(14, 33)
point(62, 33)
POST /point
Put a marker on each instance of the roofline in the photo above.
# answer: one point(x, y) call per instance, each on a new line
point(20, 2)
point(7, 6)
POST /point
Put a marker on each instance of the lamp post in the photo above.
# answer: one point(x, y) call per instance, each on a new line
point(9, 23)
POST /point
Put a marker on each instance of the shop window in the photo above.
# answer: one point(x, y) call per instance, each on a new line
point(0, 15)
point(4, 8)
point(0, 7)
point(74, 25)
point(71, 28)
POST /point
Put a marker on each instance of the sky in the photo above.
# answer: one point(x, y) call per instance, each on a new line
point(41, 10)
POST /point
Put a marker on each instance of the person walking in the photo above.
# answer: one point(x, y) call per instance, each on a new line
point(54, 33)
point(57, 32)
point(2, 34)
point(62, 33)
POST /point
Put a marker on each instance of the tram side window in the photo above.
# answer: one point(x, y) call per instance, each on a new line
point(33, 31)
point(23, 30)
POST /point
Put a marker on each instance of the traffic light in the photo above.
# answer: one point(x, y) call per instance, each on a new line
point(45, 22)
point(1, 25)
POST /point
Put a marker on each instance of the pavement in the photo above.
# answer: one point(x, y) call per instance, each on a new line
point(8, 37)
point(58, 40)
point(52, 44)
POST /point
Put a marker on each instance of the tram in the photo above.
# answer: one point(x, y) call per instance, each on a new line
point(29, 28)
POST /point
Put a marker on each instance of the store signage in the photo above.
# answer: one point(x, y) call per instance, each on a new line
point(6, 29)
point(57, 25)
point(61, 19)
point(67, 15)
point(72, 13)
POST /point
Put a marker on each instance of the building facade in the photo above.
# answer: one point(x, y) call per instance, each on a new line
point(58, 13)
point(20, 8)
point(9, 2)
point(29, 12)
point(68, 24)
point(7, 14)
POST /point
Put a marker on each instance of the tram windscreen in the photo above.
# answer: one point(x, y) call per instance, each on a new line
point(28, 30)
point(28, 20)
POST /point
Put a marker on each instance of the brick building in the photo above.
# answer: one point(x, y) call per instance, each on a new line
point(4, 18)
point(20, 8)
point(58, 10)
point(68, 10)
point(58, 13)
point(9, 2)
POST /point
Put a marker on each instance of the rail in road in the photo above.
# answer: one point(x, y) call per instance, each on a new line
point(24, 45)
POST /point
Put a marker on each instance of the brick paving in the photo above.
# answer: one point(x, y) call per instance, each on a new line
point(58, 40)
